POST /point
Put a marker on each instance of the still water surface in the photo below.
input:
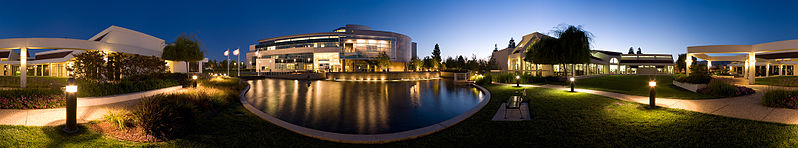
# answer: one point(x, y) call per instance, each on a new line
point(362, 107)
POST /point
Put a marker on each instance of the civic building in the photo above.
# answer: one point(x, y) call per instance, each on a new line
point(351, 48)
point(601, 62)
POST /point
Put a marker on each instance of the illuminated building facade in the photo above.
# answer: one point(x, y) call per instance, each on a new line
point(601, 62)
point(346, 49)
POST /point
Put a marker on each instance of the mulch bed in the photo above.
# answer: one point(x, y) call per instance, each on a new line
point(135, 134)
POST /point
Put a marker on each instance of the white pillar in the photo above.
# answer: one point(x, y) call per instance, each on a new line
point(688, 60)
point(751, 68)
point(781, 69)
point(709, 65)
point(767, 69)
point(23, 67)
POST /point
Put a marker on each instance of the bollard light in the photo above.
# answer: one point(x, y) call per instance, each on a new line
point(195, 80)
point(652, 94)
point(572, 83)
point(517, 81)
point(71, 106)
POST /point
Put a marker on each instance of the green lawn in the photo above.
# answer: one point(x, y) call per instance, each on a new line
point(559, 119)
point(791, 81)
point(638, 85)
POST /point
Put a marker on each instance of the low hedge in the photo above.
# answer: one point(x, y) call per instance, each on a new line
point(32, 98)
point(131, 84)
point(723, 89)
point(781, 98)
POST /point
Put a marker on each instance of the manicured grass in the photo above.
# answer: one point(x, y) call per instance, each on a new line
point(559, 119)
point(638, 85)
point(791, 81)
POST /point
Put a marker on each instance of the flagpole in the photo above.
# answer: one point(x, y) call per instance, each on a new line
point(238, 60)
point(227, 53)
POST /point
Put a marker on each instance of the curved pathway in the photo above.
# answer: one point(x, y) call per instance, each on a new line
point(366, 138)
point(89, 108)
point(744, 107)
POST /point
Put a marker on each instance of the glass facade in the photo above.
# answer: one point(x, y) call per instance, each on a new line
point(302, 61)
point(354, 48)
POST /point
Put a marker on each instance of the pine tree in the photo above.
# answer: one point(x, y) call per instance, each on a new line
point(436, 53)
point(512, 43)
point(631, 50)
point(638, 51)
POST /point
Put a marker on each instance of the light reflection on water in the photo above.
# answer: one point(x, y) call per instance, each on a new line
point(362, 107)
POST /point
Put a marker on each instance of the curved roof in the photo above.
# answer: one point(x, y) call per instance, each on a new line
point(114, 38)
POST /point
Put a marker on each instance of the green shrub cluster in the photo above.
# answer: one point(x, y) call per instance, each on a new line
point(781, 98)
point(698, 75)
point(720, 88)
point(169, 116)
point(129, 84)
point(22, 92)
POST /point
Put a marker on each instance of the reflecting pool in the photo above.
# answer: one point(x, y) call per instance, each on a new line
point(362, 107)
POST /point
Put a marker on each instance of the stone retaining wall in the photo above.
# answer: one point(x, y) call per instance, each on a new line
point(381, 75)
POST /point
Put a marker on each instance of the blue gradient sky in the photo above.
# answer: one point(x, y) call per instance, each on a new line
point(460, 27)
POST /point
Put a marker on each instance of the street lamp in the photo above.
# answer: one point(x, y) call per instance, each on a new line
point(572, 83)
point(71, 106)
point(652, 94)
point(517, 81)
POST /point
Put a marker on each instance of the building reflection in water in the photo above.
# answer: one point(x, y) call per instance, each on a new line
point(362, 107)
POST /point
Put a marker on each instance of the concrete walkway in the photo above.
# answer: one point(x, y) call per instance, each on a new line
point(744, 107)
point(90, 108)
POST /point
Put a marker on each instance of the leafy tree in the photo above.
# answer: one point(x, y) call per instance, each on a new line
point(224, 65)
point(491, 65)
point(571, 47)
point(88, 65)
point(185, 48)
point(511, 44)
point(681, 64)
point(428, 63)
point(436, 53)
point(133, 64)
point(638, 51)
point(416, 64)
point(383, 61)
point(631, 51)
point(461, 62)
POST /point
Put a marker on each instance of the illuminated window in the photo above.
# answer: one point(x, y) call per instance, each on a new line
point(614, 61)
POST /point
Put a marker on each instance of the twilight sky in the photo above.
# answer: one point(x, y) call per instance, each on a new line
point(460, 27)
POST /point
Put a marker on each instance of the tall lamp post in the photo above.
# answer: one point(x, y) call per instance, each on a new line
point(257, 66)
point(71, 106)
point(652, 94)
point(227, 53)
point(517, 81)
point(238, 59)
point(572, 83)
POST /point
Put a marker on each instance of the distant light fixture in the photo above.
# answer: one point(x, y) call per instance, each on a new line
point(573, 79)
point(194, 77)
point(652, 83)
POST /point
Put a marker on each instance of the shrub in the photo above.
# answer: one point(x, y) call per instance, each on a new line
point(723, 89)
point(164, 117)
point(781, 98)
point(698, 75)
point(484, 80)
point(119, 119)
